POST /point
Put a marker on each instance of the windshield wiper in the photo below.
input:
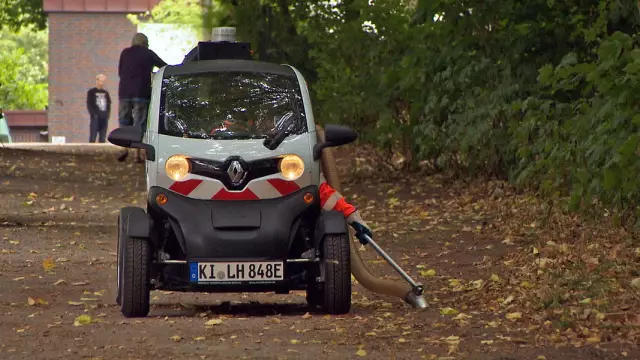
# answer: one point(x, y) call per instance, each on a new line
point(272, 143)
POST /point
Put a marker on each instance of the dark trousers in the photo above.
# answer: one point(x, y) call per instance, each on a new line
point(133, 112)
point(98, 128)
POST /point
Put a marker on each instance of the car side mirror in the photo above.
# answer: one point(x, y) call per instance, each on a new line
point(131, 137)
point(334, 135)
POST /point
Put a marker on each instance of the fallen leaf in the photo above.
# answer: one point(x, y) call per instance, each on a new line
point(462, 317)
point(428, 273)
point(176, 338)
point(514, 315)
point(48, 264)
point(448, 311)
point(361, 352)
point(306, 316)
point(31, 301)
point(508, 300)
point(453, 342)
point(477, 284)
point(213, 322)
point(82, 320)
point(636, 283)
point(594, 339)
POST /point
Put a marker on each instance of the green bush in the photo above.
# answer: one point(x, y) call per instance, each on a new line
point(586, 143)
point(543, 93)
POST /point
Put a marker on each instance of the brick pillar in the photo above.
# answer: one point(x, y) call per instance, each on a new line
point(82, 45)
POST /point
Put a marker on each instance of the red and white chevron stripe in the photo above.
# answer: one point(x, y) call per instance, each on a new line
point(199, 187)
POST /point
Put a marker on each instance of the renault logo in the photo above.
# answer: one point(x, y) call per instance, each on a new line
point(236, 172)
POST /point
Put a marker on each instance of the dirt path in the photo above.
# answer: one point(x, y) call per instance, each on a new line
point(480, 258)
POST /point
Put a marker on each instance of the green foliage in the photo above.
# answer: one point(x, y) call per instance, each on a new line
point(16, 14)
point(15, 92)
point(195, 14)
point(543, 92)
point(588, 143)
point(185, 12)
point(23, 69)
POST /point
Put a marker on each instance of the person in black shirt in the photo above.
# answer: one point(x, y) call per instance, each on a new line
point(134, 91)
point(99, 107)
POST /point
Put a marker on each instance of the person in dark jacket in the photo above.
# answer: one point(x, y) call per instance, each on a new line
point(134, 91)
point(99, 107)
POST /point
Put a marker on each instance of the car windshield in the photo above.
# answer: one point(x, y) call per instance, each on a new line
point(231, 105)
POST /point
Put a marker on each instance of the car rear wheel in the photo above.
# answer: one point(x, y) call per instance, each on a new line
point(337, 274)
point(134, 260)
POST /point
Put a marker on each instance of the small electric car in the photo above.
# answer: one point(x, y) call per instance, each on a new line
point(232, 173)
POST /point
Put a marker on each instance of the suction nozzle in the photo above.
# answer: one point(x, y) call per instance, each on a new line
point(415, 299)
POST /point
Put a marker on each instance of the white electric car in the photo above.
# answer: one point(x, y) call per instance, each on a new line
point(232, 174)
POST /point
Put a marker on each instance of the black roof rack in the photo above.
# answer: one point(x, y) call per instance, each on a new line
point(222, 46)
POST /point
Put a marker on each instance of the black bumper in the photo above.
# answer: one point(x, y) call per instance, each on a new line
point(229, 230)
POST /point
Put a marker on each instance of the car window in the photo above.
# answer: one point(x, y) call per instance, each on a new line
point(231, 105)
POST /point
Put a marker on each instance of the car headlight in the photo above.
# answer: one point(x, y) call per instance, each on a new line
point(291, 167)
point(177, 167)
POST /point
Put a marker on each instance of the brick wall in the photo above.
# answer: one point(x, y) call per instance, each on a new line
point(81, 45)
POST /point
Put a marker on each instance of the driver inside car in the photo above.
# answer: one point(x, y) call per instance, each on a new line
point(232, 125)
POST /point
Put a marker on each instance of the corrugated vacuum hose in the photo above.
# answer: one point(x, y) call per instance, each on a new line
point(409, 291)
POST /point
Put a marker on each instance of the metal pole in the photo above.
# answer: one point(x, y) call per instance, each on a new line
point(416, 287)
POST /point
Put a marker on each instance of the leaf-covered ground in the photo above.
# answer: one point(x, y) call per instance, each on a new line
point(505, 278)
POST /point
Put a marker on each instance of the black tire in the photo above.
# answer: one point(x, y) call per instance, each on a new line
point(134, 275)
point(337, 274)
point(121, 234)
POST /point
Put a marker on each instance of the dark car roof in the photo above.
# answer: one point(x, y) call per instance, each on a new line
point(228, 65)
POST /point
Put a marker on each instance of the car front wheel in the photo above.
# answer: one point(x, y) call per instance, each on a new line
point(337, 274)
point(134, 260)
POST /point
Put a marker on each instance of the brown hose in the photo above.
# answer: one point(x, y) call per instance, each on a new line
point(358, 268)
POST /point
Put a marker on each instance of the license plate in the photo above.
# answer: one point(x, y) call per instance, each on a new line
point(215, 272)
